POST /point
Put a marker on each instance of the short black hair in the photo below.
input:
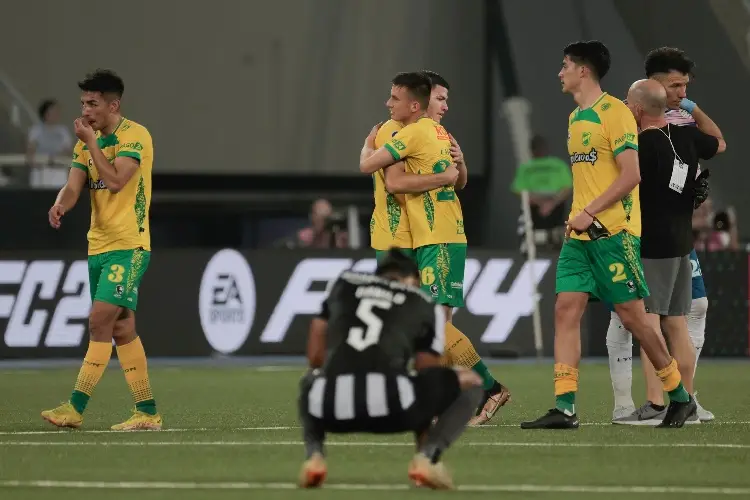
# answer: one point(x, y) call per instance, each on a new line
point(592, 54)
point(418, 84)
point(44, 107)
point(538, 145)
point(104, 81)
point(437, 79)
point(666, 59)
point(397, 263)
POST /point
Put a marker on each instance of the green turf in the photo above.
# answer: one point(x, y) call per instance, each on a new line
point(213, 405)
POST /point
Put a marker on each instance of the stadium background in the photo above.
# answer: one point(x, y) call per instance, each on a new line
point(258, 110)
point(257, 119)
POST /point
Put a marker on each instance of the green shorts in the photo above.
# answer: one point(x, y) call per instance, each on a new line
point(609, 269)
point(114, 277)
point(379, 254)
point(441, 268)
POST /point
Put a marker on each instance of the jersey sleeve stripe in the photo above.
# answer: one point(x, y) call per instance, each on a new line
point(130, 154)
point(393, 152)
point(625, 146)
point(81, 166)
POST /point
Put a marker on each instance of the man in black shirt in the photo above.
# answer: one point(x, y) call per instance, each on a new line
point(668, 157)
point(375, 325)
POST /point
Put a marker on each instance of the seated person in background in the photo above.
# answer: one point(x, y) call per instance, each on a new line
point(549, 182)
point(49, 138)
point(327, 229)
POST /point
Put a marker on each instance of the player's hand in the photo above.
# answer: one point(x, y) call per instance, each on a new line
point(83, 130)
point(456, 153)
point(580, 223)
point(370, 141)
point(55, 214)
point(451, 174)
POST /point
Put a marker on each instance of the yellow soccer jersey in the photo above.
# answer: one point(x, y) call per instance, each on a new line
point(119, 221)
point(596, 136)
point(389, 225)
point(434, 217)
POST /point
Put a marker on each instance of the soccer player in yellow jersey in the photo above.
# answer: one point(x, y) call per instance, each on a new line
point(601, 259)
point(113, 158)
point(437, 233)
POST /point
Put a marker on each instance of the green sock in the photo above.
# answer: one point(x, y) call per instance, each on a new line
point(148, 406)
point(566, 403)
point(488, 381)
point(679, 394)
point(79, 400)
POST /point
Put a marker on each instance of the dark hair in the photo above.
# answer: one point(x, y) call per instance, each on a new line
point(418, 84)
point(397, 263)
point(666, 59)
point(722, 222)
point(44, 107)
point(437, 79)
point(103, 81)
point(593, 54)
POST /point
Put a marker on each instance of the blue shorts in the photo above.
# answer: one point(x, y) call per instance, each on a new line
point(699, 287)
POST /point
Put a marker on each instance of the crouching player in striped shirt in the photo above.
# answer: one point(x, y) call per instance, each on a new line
point(376, 324)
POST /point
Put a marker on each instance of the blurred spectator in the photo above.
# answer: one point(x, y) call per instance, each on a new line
point(49, 138)
point(715, 230)
point(327, 229)
point(549, 182)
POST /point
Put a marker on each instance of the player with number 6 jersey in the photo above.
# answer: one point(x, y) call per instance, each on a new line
point(113, 159)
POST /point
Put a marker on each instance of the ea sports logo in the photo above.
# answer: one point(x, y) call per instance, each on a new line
point(226, 301)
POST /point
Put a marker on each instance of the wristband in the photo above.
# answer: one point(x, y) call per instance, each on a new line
point(687, 105)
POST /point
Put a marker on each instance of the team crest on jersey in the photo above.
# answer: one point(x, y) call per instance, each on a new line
point(605, 106)
point(586, 138)
point(589, 157)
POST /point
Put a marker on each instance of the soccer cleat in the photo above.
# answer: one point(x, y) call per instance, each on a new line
point(679, 413)
point(645, 415)
point(554, 419)
point(622, 412)
point(63, 416)
point(314, 472)
point(140, 421)
point(424, 474)
point(703, 414)
point(493, 401)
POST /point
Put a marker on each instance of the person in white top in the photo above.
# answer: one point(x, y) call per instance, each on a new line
point(48, 139)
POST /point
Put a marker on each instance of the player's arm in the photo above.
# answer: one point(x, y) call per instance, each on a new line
point(430, 344)
point(399, 181)
point(68, 196)
point(117, 174)
point(458, 157)
point(316, 340)
point(370, 161)
point(404, 143)
point(704, 123)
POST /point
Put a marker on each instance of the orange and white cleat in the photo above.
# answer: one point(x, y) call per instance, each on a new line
point(314, 472)
point(492, 403)
point(424, 474)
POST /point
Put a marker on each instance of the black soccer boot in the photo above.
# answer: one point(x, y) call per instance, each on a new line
point(678, 413)
point(554, 419)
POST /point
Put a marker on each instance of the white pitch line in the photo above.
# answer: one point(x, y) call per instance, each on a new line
point(375, 444)
point(283, 428)
point(510, 488)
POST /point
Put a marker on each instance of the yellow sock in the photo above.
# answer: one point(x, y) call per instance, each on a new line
point(566, 386)
point(672, 382)
point(459, 347)
point(133, 361)
point(92, 369)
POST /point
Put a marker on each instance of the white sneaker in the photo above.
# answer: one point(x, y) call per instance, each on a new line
point(703, 414)
point(622, 412)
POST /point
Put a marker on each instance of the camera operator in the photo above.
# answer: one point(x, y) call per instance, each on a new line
point(668, 157)
point(327, 228)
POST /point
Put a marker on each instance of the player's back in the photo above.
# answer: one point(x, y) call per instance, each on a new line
point(435, 216)
point(389, 225)
point(596, 136)
point(376, 324)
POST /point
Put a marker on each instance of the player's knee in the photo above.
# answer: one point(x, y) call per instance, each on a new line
point(124, 329)
point(617, 334)
point(568, 312)
point(698, 308)
point(102, 321)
